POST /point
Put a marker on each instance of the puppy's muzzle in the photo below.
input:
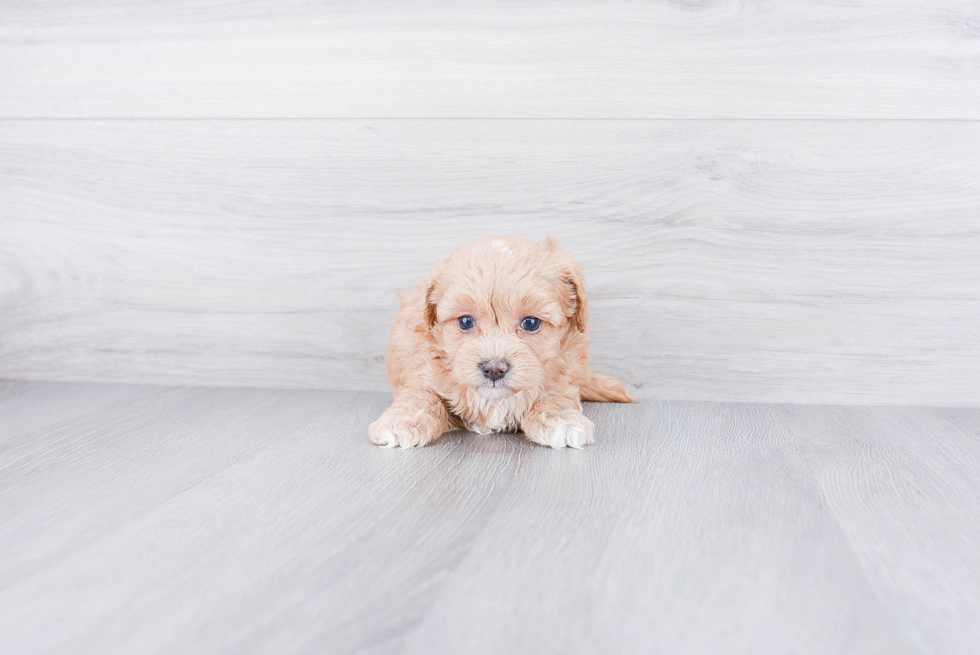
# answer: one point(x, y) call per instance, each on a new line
point(494, 369)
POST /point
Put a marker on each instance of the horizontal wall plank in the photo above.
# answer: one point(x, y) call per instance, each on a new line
point(669, 59)
point(788, 261)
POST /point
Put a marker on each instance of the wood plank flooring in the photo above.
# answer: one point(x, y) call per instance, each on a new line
point(146, 519)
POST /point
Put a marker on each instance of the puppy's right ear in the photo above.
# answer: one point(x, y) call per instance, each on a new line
point(430, 305)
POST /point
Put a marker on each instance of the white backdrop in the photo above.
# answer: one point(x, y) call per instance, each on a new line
point(773, 201)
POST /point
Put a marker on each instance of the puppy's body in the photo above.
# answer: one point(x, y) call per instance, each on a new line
point(494, 340)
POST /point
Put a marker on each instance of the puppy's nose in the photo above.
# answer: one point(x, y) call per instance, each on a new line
point(494, 369)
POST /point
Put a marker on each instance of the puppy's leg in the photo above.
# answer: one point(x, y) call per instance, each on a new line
point(416, 418)
point(557, 420)
point(605, 389)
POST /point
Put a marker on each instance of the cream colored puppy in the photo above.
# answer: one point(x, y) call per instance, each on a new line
point(494, 340)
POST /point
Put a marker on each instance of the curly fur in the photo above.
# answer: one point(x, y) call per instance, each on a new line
point(434, 367)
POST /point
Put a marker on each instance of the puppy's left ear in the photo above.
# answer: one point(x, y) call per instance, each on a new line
point(575, 282)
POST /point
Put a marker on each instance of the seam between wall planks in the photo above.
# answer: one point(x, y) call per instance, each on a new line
point(539, 119)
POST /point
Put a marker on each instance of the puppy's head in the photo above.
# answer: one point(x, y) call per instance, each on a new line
point(504, 314)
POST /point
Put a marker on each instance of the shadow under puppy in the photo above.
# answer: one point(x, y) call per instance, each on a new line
point(494, 340)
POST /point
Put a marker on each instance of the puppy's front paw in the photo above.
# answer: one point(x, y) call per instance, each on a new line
point(393, 430)
point(569, 428)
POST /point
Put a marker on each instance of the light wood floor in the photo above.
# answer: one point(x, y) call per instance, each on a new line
point(200, 520)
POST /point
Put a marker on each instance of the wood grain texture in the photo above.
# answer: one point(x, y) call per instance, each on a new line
point(200, 520)
point(774, 261)
point(893, 490)
point(667, 59)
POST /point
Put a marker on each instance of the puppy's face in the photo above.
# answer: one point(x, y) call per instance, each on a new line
point(501, 312)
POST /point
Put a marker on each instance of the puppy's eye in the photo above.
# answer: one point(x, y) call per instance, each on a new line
point(465, 323)
point(530, 324)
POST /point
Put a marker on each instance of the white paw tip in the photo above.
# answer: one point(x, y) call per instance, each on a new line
point(398, 438)
point(386, 439)
point(569, 434)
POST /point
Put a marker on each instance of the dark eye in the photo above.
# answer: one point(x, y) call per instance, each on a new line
point(530, 324)
point(465, 323)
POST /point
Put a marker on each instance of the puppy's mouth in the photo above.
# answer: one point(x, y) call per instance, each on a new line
point(494, 389)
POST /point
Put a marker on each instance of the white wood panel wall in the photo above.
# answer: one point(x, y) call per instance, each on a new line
point(822, 260)
point(787, 260)
point(466, 58)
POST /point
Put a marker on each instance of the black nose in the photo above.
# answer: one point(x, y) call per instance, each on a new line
point(494, 369)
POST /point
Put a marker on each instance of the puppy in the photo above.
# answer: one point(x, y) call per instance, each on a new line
point(494, 340)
